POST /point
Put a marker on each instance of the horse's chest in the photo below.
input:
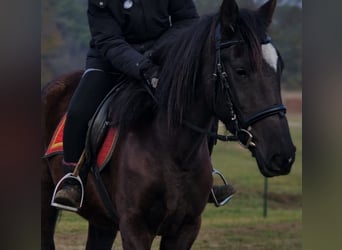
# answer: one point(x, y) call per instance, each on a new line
point(173, 222)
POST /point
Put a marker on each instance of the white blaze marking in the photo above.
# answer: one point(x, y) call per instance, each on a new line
point(270, 55)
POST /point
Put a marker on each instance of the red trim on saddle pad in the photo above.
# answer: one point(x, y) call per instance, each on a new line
point(56, 144)
point(107, 147)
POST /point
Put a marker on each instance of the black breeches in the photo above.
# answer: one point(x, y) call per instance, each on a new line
point(91, 90)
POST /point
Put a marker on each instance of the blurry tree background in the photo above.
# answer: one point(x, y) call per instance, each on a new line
point(65, 35)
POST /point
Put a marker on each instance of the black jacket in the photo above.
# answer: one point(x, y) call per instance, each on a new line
point(120, 36)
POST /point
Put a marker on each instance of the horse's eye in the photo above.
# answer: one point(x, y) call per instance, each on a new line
point(241, 72)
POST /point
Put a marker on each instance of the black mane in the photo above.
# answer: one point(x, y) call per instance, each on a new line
point(180, 71)
point(253, 31)
point(132, 106)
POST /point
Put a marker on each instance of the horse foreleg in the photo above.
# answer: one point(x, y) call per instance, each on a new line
point(184, 238)
point(134, 232)
point(100, 238)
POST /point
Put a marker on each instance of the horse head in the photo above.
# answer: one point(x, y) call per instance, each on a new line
point(247, 96)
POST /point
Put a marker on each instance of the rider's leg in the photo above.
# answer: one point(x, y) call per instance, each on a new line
point(93, 87)
point(221, 192)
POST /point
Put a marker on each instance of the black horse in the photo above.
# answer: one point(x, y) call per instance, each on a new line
point(160, 176)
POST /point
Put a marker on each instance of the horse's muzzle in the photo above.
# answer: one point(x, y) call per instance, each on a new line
point(279, 164)
point(282, 165)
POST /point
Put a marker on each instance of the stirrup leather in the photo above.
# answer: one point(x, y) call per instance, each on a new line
point(225, 201)
point(69, 208)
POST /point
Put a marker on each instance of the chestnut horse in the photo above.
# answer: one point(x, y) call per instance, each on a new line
point(160, 176)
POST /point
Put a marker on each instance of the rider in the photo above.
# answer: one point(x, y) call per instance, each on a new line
point(121, 32)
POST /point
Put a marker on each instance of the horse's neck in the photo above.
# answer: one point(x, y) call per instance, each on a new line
point(184, 143)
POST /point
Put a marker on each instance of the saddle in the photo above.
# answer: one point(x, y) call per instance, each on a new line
point(101, 136)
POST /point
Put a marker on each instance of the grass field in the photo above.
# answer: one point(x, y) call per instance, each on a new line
point(239, 225)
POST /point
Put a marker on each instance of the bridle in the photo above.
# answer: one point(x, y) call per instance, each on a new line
point(242, 126)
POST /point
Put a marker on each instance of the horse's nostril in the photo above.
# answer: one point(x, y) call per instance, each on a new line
point(290, 160)
point(282, 164)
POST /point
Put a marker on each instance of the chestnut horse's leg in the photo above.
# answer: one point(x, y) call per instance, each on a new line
point(48, 213)
point(184, 238)
point(100, 238)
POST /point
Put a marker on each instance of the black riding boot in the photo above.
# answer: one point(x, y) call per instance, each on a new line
point(220, 194)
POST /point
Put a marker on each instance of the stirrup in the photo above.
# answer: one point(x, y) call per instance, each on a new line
point(65, 207)
point(225, 201)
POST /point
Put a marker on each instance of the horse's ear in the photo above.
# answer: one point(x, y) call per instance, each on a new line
point(266, 11)
point(229, 14)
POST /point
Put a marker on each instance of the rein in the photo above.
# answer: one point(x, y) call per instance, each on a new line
point(211, 134)
point(194, 127)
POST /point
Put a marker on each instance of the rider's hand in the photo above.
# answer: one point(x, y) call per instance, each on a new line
point(151, 74)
